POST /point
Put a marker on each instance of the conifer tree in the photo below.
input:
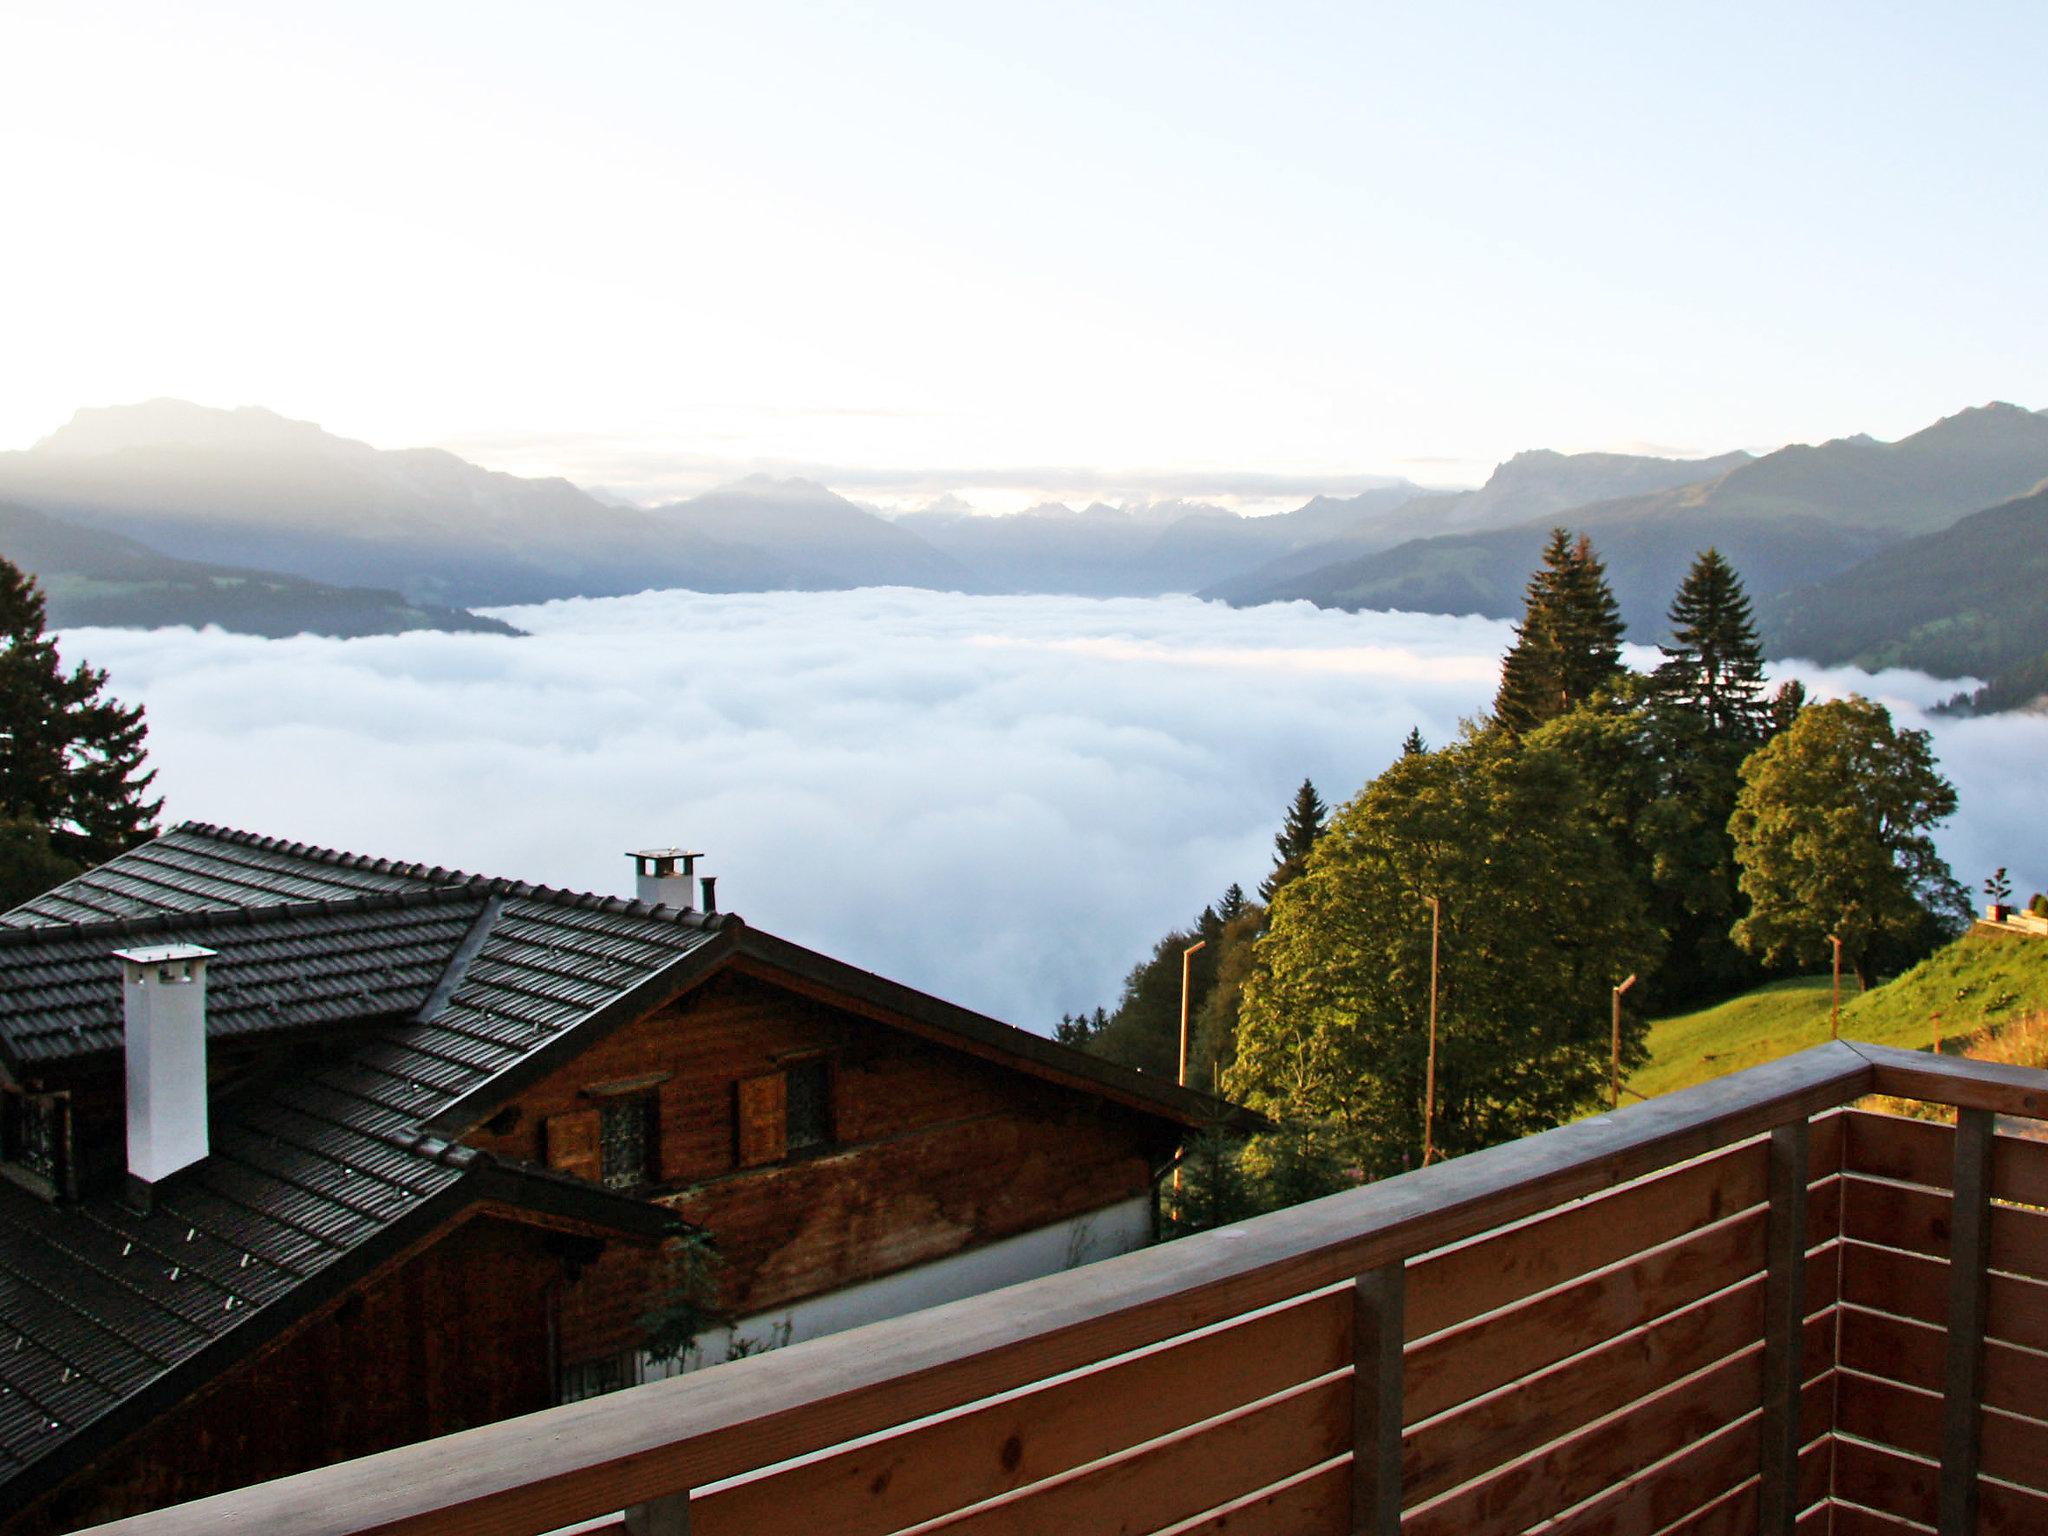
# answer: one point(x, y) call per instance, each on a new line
point(1306, 818)
point(1234, 903)
point(1412, 745)
point(1714, 669)
point(1568, 644)
point(72, 779)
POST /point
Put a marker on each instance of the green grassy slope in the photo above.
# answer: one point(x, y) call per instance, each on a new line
point(1981, 981)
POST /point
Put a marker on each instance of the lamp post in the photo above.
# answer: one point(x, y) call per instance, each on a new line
point(1614, 1071)
point(1436, 913)
point(1186, 956)
point(1835, 1007)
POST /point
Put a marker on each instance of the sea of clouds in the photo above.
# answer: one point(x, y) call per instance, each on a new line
point(1003, 800)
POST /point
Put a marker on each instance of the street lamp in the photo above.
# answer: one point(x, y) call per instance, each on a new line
point(1835, 1008)
point(1614, 1071)
point(1186, 956)
point(1436, 913)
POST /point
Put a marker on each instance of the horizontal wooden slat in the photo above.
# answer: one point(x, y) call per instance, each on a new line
point(1906, 1486)
point(937, 1467)
point(1311, 1502)
point(1968, 1084)
point(1487, 1273)
point(1575, 1470)
point(2012, 1447)
point(1854, 1520)
point(1736, 1514)
point(1917, 1220)
point(1912, 1285)
point(1923, 1152)
point(1707, 1473)
point(1498, 1429)
point(1914, 1354)
point(1462, 1363)
point(1190, 1473)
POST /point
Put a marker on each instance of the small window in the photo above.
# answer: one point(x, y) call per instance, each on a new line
point(626, 1143)
point(810, 1105)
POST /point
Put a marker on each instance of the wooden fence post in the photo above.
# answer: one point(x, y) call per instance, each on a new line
point(1969, 1257)
point(1784, 1328)
point(1378, 1328)
point(668, 1515)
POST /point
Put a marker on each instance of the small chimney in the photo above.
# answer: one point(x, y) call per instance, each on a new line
point(163, 1006)
point(665, 877)
point(710, 884)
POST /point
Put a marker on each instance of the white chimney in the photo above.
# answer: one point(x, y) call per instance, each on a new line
point(163, 999)
point(665, 876)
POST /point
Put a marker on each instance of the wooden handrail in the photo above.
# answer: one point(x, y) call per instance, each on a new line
point(548, 1469)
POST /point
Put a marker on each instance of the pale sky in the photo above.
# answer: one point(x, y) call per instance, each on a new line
point(653, 244)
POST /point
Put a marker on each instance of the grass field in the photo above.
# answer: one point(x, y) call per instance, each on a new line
point(1982, 983)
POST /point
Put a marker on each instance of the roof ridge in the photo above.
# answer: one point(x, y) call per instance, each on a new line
point(236, 917)
point(484, 885)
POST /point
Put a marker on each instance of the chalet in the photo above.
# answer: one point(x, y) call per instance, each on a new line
point(307, 1155)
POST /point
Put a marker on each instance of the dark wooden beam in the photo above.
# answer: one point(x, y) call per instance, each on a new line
point(1969, 1254)
point(1378, 1327)
point(1992, 1085)
point(1784, 1328)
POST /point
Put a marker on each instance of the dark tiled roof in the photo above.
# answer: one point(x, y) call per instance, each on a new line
point(198, 868)
point(276, 968)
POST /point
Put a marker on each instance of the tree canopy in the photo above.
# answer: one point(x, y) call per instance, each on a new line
point(1831, 836)
point(1539, 920)
point(72, 778)
point(1713, 671)
point(1568, 643)
point(1307, 815)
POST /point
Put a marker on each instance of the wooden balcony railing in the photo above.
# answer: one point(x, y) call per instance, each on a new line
point(1743, 1307)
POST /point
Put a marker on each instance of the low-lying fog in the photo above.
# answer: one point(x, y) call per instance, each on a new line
point(1001, 800)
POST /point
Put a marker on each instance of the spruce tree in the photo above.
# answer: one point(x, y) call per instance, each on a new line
point(72, 779)
point(1412, 745)
point(1568, 644)
point(1714, 668)
point(1306, 818)
point(1234, 903)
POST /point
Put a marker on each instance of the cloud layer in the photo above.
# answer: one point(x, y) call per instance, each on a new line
point(1000, 800)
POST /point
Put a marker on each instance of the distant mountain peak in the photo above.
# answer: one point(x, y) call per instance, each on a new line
point(168, 423)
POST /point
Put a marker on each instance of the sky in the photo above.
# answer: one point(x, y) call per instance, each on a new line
point(1006, 250)
point(1002, 800)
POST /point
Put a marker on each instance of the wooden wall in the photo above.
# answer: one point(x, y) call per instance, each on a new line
point(933, 1151)
point(454, 1336)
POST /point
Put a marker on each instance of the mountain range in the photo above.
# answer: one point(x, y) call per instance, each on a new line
point(1855, 549)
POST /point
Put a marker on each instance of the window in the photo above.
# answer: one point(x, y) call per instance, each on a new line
point(785, 1112)
point(809, 1104)
point(626, 1142)
point(32, 1134)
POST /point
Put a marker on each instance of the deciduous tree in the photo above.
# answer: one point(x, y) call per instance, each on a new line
point(1540, 919)
point(1831, 832)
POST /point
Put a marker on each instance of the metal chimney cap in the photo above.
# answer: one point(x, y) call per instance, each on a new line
point(165, 954)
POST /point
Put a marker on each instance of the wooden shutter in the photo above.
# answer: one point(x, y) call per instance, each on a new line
point(573, 1144)
point(763, 1120)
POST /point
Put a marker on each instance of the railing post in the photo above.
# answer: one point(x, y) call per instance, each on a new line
point(1969, 1260)
point(668, 1515)
point(1378, 1331)
point(1784, 1328)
